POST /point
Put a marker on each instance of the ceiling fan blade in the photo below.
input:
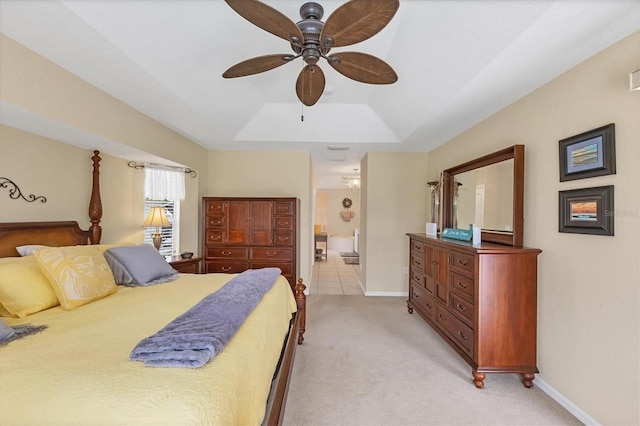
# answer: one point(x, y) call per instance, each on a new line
point(358, 20)
point(267, 18)
point(310, 85)
point(257, 65)
point(363, 68)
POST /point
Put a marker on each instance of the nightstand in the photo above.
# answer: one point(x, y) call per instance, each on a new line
point(185, 266)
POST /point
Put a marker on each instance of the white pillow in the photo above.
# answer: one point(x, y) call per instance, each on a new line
point(28, 250)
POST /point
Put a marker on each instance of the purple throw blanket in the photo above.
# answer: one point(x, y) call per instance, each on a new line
point(196, 336)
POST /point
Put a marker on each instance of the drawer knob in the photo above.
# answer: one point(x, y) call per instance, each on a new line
point(430, 306)
point(226, 253)
point(461, 307)
point(461, 284)
point(226, 268)
point(271, 253)
point(441, 317)
point(461, 334)
point(463, 262)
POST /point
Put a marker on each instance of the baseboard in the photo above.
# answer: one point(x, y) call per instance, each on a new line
point(577, 412)
point(386, 293)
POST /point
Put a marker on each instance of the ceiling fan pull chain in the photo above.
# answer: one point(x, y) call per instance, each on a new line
point(301, 111)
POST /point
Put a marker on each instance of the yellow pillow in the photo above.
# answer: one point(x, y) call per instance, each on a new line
point(24, 289)
point(78, 274)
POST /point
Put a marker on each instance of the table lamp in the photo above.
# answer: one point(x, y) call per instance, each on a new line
point(157, 218)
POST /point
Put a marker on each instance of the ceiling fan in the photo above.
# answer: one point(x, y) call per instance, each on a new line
point(312, 39)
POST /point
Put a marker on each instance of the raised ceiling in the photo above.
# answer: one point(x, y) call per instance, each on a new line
point(458, 62)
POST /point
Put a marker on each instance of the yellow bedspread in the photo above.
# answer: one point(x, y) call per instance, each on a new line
point(78, 371)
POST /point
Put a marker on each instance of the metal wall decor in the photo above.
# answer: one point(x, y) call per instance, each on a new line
point(15, 192)
point(139, 166)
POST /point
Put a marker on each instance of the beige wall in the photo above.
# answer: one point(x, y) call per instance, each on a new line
point(329, 206)
point(588, 286)
point(394, 199)
point(267, 174)
point(32, 83)
point(63, 174)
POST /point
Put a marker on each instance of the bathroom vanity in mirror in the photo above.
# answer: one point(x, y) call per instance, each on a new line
point(481, 299)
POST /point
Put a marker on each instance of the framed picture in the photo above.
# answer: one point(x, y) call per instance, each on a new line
point(587, 210)
point(588, 154)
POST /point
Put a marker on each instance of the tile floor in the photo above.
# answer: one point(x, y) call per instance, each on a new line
point(333, 276)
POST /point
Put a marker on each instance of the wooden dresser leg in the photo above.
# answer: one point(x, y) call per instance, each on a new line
point(527, 379)
point(409, 308)
point(478, 379)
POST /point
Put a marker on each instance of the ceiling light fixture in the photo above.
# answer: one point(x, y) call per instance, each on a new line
point(352, 181)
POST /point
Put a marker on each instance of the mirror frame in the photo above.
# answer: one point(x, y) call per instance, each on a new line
point(515, 152)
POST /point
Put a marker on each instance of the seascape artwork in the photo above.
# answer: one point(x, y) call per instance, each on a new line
point(585, 155)
point(585, 211)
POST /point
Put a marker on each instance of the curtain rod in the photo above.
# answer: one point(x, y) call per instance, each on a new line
point(139, 166)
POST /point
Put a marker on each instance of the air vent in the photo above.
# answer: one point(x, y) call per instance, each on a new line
point(338, 147)
point(336, 160)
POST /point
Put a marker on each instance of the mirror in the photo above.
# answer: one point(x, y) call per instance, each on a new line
point(488, 191)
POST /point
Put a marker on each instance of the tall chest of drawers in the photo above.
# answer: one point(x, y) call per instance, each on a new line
point(250, 233)
point(482, 300)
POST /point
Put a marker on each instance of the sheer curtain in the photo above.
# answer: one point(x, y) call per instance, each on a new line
point(163, 183)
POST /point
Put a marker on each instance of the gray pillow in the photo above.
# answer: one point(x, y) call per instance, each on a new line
point(139, 265)
point(6, 332)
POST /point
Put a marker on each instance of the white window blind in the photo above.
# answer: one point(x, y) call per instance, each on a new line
point(170, 235)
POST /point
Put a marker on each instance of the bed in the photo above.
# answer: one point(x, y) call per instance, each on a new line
point(78, 371)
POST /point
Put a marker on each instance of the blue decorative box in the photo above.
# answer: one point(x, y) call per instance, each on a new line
point(457, 234)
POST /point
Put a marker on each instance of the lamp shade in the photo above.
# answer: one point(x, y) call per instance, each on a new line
point(157, 218)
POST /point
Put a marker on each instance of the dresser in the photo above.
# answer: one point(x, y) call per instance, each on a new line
point(250, 233)
point(480, 299)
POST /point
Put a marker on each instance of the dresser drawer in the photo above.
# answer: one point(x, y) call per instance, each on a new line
point(462, 308)
point(417, 278)
point(417, 246)
point(422, 300)
point(462, 260)
point(287, 268)
point(214, 236)
point(215, 221)
point(283, 207)
point(282, 223)
point(417, 262)
point(227, 267)
point(462, 285)
point(271, 254)
point(227, 253)
point(461, 333)
point(283, 238)
point(215, 207)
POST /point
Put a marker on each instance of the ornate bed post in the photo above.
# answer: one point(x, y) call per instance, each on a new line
point(95, 203)
point(301, 301)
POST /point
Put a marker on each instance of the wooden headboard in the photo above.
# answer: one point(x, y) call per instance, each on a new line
point(56, 234)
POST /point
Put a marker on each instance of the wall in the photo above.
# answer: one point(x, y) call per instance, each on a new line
point(329, 206)
point(588, 286)
point(63, 174)
point(394, 198)
point(44, 90)
point(267, 174)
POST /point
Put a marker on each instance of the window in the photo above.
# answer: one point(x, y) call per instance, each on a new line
point(170, 235)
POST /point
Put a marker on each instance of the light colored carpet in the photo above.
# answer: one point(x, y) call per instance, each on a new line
point(366, 361)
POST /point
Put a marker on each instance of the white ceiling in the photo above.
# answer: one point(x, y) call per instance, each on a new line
point(458, 62)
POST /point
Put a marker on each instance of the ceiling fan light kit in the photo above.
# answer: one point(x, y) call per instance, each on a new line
point(312, 39)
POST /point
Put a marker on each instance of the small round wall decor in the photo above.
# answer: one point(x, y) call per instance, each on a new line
point(346, 203)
